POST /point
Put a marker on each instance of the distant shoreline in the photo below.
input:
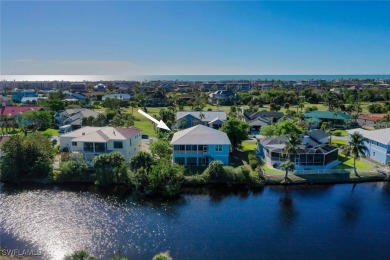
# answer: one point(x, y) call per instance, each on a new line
point(189, 77)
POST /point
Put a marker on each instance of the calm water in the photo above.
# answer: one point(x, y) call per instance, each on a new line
point(309, 222)
point(187, 77)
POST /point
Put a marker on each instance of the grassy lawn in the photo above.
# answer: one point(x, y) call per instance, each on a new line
point(249, 145)
point(339, 132)
point(51, 132)
point(347, 163)
point(271, 171)
point(339, 141)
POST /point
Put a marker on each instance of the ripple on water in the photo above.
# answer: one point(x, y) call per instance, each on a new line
point(59, 222)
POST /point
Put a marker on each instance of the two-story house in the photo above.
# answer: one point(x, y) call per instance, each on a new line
point(377, 143)
point(200, 145)
point(93, 141)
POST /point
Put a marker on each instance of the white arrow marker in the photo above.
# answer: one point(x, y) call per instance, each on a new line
point(160, 124)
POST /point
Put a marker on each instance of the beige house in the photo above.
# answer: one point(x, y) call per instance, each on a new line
point(93, 141)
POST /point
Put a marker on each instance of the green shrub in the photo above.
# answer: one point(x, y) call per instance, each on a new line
point(73, 170)
point(166, 178)
point(253, 160)
point(215, 170)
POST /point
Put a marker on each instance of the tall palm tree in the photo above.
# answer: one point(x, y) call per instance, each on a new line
point(355, 148)
point(291, 149)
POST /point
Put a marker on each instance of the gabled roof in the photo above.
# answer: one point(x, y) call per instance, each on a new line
point(208, 115)
point(101, 134)
point(263, 114)
point(200, 134)
point(381, 135)
point(318, 134)
point(327, 115)
point(15, 110)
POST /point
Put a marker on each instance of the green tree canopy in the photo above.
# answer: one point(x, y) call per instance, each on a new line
point(286, 127)
point(236, 130)
point(161, 149)
point(26, 157)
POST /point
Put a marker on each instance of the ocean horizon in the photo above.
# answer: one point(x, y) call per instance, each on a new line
point(190, 77)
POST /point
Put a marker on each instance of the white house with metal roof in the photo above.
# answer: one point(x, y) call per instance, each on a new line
point(93, 141)
point(377, 143)
point(199, 145)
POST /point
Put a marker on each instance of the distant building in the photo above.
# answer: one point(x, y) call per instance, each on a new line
point(222, 97)
point(200, 145)
point(94, 141)
point(73, 117)
point(371, 120)
point(31, 100)
point(336, 119)
point(124, 97)
point(18, 94)
point(184, 88)
point(213, 119)
point(100, 87)
point(263, 118)
point(78, 87)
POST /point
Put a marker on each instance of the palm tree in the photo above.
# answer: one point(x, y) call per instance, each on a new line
point(287, 166)
point(202, 117)
point(291, 149)
point(183, 122)
point(356, 148)
point(301, 106)
point(325, 126)
point(386, 119)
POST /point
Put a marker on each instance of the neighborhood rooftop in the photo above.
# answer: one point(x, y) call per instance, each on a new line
point(381, 135)
point(102, 134)
point(208, 115)
point(200, 134)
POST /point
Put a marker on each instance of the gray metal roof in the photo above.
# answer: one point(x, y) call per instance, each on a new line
point(200, 134)
point(208, 115)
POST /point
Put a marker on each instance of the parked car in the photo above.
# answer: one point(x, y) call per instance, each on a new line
point(145, 137)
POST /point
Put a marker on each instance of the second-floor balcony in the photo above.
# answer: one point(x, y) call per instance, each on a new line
point(190, 152)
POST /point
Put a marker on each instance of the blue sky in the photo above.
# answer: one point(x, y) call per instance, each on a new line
point(131, 37)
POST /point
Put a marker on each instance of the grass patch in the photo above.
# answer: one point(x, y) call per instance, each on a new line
point(339, 141)
point(347, 163)
point(339, 132)
point(50, 132)
point(248, 146)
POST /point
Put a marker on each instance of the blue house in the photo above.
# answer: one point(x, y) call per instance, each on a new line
point(18, 94)
point(377, 143)
point(200, 145)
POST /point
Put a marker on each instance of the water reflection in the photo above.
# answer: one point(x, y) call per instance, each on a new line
point(288, 213)
point(205, 223)
point(351, 205)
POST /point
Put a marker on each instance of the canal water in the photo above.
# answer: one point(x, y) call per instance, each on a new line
point(342, 221)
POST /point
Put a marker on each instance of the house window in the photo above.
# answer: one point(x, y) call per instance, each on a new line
point(74, 143)
point(218, 148)
point(130, 142)
point(118, 145)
